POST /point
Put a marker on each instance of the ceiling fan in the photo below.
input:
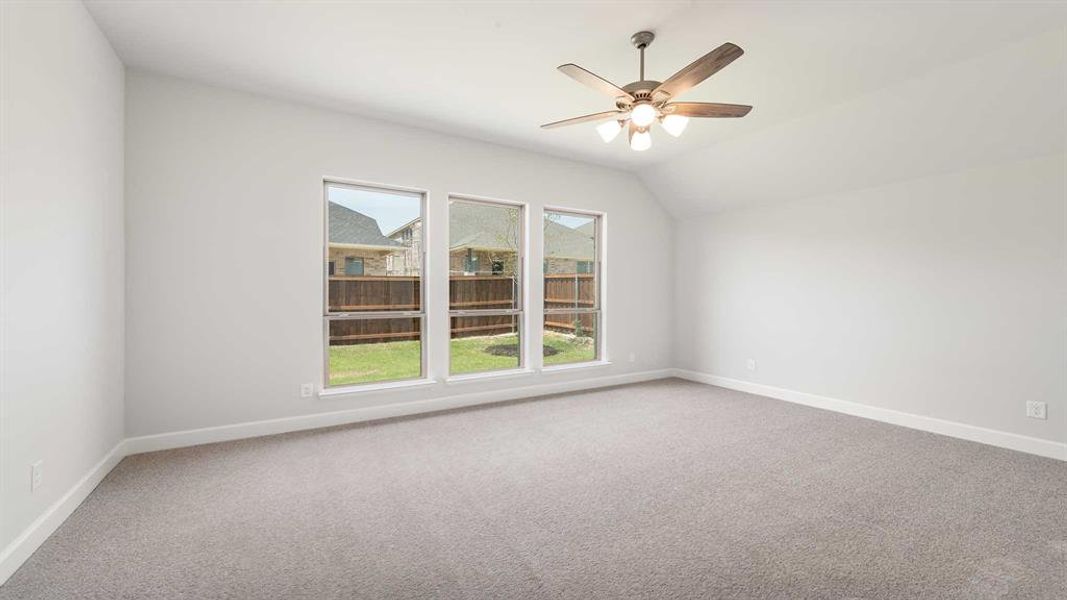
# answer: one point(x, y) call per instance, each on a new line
point(643, 102)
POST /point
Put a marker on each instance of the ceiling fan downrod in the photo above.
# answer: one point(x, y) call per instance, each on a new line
point(642, 40)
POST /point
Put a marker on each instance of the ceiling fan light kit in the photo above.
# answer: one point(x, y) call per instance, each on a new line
point(640, 138)
point(610, 130)
point(674, 124)
point(640, 104)
point(643, 114)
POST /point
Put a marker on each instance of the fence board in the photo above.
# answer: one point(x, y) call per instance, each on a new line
point(570, 290)
point(366, 293)
point(474, 292)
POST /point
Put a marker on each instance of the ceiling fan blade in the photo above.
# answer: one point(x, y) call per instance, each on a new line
point(706, 109)
point(593, 81)
point(600, 116)
point(700, 69)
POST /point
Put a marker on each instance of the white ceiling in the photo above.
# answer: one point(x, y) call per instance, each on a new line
point(835, 85)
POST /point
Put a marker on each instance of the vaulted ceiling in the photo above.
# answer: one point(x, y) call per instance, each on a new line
point(846, 95)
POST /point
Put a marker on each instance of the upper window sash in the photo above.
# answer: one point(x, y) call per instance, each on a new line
point(572, 266)
point(486, 242)
point(373, 239)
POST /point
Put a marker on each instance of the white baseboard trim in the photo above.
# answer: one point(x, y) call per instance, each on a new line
point(992, 437)
point(223, 433)
point(20, 549)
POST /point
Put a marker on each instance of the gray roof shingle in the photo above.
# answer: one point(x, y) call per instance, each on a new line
point(488, 227)
point(352, 227)
point(563, 242)
point(482, 226)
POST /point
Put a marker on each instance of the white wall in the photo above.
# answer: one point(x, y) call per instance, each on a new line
point(944, 296)
point(61, 240)
point(224, 249)
point(950, 117)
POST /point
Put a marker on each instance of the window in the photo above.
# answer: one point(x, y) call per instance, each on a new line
point(373, 313)
point(572, 288)
point(485, 306)
point(470, 263)
point(353, 266)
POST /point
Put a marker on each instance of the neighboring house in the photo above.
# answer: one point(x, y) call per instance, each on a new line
point(407, 260)
point(357, 246)
point(484, 243)
point(569, 250)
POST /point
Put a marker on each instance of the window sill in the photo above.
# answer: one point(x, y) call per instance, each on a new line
point(376, 387)
point(584, 365)
point(489, 375)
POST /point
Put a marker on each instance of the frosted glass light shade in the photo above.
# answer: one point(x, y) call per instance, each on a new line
point(643, 114)
point(640, 140)
point(675, 124)
point(609, 131)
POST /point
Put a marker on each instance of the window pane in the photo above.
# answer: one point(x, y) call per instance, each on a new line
point(353, 266)
point(375, 249)
point(485, 343)
point(570, 338)
point(570, 261)
point(370, 350)
point(484, 262)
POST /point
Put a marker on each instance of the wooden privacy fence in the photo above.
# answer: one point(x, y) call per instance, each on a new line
point(466, 292)
point(482, 292)
point(371, 331)
point(374, 293)
point(570, 290)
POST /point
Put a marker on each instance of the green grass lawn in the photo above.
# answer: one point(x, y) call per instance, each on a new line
point(365, 363)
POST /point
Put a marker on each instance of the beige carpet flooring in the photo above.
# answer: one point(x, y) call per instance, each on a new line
point(667, 489)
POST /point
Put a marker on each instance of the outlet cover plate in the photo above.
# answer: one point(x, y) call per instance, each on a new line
point(1036, 410)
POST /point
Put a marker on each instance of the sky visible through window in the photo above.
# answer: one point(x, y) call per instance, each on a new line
point(394, 209)
point(572, 221)
point(390, 209)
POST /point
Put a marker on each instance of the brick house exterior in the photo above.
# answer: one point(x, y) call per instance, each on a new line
point(488, 246)
point(357, 246)
point(482, 243)
point(407, 260)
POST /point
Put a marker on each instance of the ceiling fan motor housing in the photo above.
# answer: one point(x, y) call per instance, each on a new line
point(641, 90)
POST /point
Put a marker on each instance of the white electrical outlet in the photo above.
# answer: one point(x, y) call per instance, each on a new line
point(633, 356)
point(750, 364)
point(36, 475)
point(1036, 410)
point(307, 390)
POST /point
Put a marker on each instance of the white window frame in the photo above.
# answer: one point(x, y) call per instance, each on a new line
point(600, 355)
point(329, 316)
point(518, 312)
